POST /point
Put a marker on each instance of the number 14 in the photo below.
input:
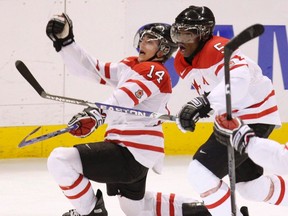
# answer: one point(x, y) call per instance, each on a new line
point(159, 74)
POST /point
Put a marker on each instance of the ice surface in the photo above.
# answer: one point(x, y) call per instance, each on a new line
point(27, 189)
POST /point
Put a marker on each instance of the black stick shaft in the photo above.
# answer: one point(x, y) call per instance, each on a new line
point(245, 36)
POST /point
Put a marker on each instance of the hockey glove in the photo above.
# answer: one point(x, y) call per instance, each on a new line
point(233, 132)
point(60, 30)
point(190, 113)
point(88, 120)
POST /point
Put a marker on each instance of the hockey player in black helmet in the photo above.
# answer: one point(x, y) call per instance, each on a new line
point(122, 159)
point(194, 25)
point(200, 60)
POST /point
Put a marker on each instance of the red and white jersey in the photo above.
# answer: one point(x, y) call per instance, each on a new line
point(143, 86)
point(252, 93)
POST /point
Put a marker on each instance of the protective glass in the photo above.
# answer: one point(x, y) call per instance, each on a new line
point(182, 33)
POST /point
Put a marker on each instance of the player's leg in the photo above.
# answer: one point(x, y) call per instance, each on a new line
point(205, 174)
point(65, 166)
point(273, 188)
point(157, 203)
point(214, 192)
point(123, 175)
point(260, 188)
point(131, 191)
point(175, 204)
point(269, 189)
point(73, 167)
point(135, 201)
point(269, 154)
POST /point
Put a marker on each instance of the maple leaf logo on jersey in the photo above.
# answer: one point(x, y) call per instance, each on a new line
point(139, 93)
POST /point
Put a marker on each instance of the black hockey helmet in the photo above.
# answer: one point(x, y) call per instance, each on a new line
point(161, 32)
point(199, 21)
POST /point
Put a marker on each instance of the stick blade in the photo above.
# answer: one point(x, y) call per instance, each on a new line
point(248, 34)
point(23, 142)
point(25, 72)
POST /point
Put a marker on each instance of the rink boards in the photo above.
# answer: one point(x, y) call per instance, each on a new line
point(176, 142)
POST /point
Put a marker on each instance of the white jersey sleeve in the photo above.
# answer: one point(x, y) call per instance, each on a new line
point(80, 63)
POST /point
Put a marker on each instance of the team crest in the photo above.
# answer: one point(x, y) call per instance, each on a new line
point(139, 93)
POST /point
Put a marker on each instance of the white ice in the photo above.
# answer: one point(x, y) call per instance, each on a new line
point(27, 189)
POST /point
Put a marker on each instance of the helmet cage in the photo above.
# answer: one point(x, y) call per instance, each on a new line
point(160, 32)
point(163, 43)
point(186, 33)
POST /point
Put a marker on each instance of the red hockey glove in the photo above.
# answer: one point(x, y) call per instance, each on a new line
point(232, 132)
point(88, 120)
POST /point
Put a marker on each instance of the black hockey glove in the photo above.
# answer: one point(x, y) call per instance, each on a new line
point(88, 121)
point(190, 113)
point(60, 30)
point(233, 132)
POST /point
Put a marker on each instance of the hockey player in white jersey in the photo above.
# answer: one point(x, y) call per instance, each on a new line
point(267, 153)
point(200, 60)
point(132, 144)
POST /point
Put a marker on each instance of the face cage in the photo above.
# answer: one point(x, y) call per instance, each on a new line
point(184, 33)
point(163, 45)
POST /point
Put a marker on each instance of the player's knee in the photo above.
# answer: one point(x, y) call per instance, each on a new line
point(255, 190)
point(62, 161)
point(63, 154)
point(53, 159)
point(202, 179)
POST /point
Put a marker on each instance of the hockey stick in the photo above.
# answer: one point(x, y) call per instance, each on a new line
point(243, 37)
point(25, 72)
point(26, 142)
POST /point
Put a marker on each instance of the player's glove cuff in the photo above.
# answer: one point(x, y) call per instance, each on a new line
point(232, 132)
point(241, 138)
point(202, 105)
